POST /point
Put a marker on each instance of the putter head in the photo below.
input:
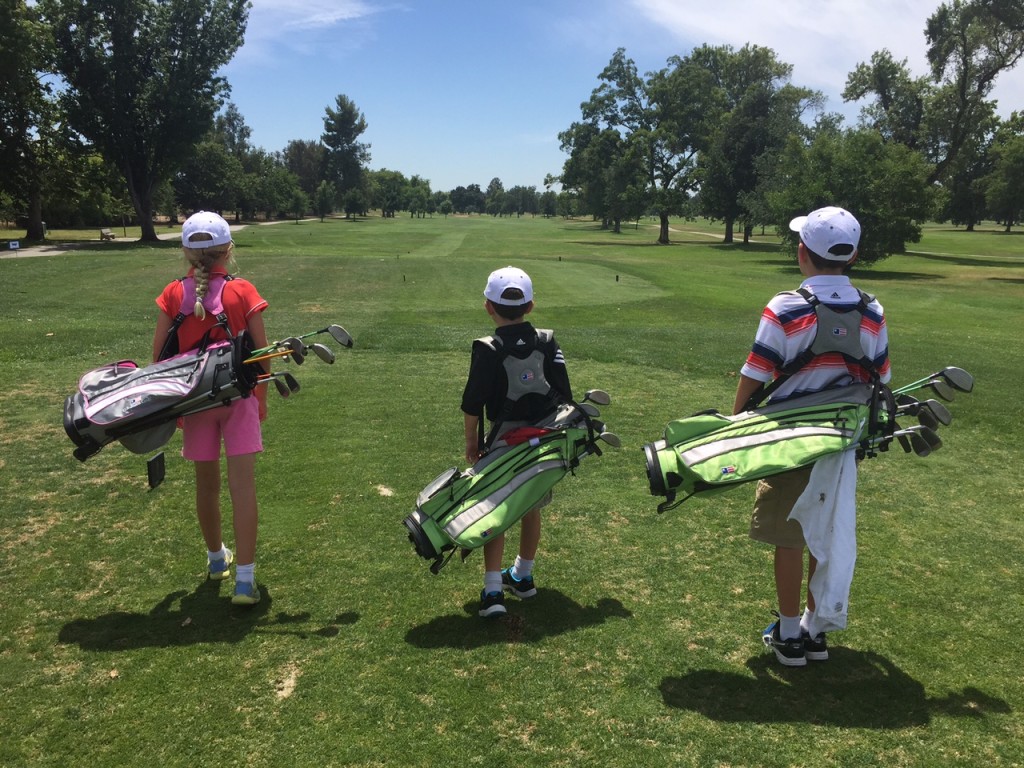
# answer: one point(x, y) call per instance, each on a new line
point(597, 396)
point(340, 335)
point(958, 378)
point(323, 352)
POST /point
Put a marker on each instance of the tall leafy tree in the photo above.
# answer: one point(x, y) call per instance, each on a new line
point(142, 82)
point(759, 110)
point(346, 156)
point(307, 160)
point(27, 114)
point(1004, 185)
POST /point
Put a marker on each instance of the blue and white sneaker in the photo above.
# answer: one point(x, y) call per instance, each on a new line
point(523, 588)
point(815, 648)
point(246, 593)
point(789, 652)
point(492, 604)
point(218, 569)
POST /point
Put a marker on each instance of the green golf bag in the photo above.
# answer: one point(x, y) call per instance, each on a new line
point(710, 452)
point(464, 510)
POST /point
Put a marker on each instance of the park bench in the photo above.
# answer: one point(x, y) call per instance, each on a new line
point(106, 234)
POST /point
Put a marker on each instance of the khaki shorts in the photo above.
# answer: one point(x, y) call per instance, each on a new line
point(774, 501)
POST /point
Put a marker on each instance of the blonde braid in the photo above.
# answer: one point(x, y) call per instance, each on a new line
point(202, 261)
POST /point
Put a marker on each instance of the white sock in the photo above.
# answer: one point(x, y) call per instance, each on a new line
point(805, 622)
point(522, 568)
point(789, 627)
point(220, 554)
point(492, 582)
point(245, 572)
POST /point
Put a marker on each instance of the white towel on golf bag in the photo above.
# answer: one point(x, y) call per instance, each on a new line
point(827, 512)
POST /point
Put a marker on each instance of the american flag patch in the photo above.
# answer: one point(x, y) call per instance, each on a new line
point(838, 331)
point(730, 470)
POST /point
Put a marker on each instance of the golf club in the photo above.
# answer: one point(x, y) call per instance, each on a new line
point(296, 356)
point(597, 396)
point(338, 333)
point(284, 381)
point(957, 378)
point(611, 438)
point(322, 351)
point(590, 410)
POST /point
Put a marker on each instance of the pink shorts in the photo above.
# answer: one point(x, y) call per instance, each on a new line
point(238, 424)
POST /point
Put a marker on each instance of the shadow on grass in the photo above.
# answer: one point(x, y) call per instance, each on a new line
point(854, 689)
point(962, 261)
point(549, 613)
point(204, 616)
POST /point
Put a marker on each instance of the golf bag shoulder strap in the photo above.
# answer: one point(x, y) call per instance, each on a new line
point(187, 308)
point(843, 338)
point(525, 375)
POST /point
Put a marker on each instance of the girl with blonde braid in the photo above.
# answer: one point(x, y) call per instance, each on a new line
point(207, 290)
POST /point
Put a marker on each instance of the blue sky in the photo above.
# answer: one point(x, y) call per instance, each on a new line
point(462, 92)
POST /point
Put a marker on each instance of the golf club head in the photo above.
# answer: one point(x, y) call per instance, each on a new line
point(942, 389)
point(590, 410)
point(323, 352)
point(290, 381)
point(926, 418)
point(921, 446)
point(340, 335)
point(904, 442)
point(296, 356)
point(611, 438)
point(282, 388)
point(908, 404)
point(958, 378)
point(598, 396)
point(293, 343)
point(939, 411)
point(932, 437)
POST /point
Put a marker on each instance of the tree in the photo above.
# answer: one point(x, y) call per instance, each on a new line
point(885, 185)
point(323, 200)
point(759, 111)
point(1004, 185)
point(141, 80)
point(389, 191)
point(230, 129)
point(210, 180)
point(308, 161)
point(345, 156)
point(27, 115)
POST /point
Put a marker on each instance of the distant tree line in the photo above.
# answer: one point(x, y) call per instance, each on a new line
point(112, 111)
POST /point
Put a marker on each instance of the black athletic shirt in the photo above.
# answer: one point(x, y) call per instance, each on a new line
point(487, 384)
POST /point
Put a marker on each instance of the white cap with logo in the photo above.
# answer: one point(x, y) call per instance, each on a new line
point(205, 223)
point(832, 233)
point(508, 277)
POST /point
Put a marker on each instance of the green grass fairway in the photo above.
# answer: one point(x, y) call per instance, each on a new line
point(642, 648)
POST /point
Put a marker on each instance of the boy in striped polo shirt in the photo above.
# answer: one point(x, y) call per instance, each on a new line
point(828, 247)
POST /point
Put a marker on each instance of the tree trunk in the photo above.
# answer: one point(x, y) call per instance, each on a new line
point(748, 230)
point(617, 229)
point(35, 213)
point(663, 231)
point(142, 200)
point(729, 223)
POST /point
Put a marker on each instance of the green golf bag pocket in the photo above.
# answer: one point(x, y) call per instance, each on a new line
point(711, 452)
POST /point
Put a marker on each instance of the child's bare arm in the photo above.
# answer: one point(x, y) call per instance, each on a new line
point(472, 425)
point(746, 387)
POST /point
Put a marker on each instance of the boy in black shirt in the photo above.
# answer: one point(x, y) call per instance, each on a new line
point(518, 378)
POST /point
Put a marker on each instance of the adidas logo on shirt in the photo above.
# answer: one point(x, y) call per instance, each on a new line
point(520, 343)
point(835, 295)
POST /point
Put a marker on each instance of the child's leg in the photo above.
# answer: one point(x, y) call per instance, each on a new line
point(789, 577)
point(529, 535)
point(812, 564)
point(208, 503)
point(242, 485)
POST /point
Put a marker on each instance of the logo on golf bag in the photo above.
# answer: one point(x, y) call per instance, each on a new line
point(838, 331)
point(526, 376)
point(730, 470)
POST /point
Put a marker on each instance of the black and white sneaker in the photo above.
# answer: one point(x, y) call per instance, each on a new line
point(523, 588)
point(815, 648)
point(789, 652)
point(492, 604)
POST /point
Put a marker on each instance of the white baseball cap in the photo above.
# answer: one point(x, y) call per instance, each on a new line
point(825, 229)
point(205, 222)
point(508, 277)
